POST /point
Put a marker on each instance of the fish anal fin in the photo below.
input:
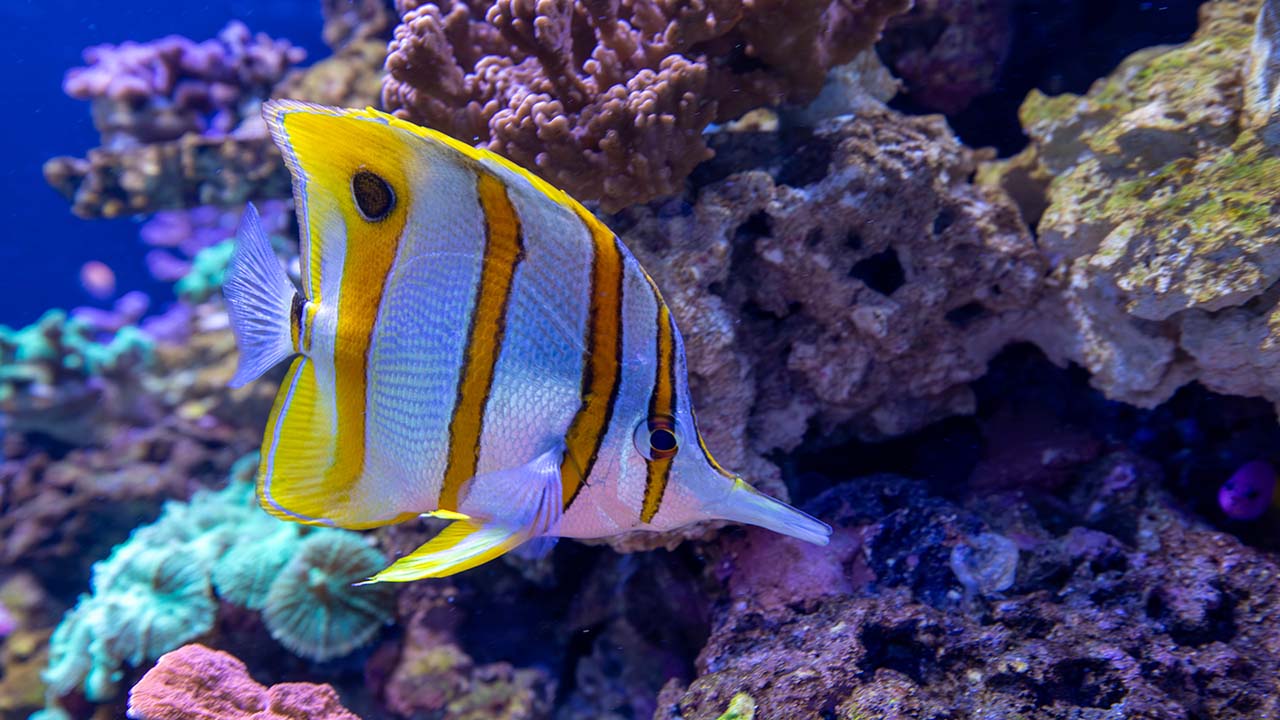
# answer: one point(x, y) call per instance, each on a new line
point(297, 450)
point(460, 546)
point(502, 511)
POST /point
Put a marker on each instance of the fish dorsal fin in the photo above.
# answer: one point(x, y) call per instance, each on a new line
point(504, 509)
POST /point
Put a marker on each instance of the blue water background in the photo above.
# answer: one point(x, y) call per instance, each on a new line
point(42, 245)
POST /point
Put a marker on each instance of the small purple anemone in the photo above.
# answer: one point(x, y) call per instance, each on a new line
point(1247, 493)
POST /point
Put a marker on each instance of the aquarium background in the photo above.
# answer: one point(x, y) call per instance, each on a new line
point(988, 286)
point(41, 41)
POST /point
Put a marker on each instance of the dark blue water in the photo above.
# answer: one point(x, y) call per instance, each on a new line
point(42, 245)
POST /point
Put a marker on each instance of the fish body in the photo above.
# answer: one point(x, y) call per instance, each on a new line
point(468, 342)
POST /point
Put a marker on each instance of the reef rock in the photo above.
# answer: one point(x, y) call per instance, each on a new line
point(1154, 197)
point(180, 120)
point(922, 610)
point(861, 281)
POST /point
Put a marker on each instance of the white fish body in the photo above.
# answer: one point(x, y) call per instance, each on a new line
point(469, 342)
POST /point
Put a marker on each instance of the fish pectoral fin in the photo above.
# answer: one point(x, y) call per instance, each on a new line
point(460, 546)
point(260, 299)
point(524, 505)
point(528, 496)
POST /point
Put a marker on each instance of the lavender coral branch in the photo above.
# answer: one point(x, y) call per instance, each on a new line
point(160, 90)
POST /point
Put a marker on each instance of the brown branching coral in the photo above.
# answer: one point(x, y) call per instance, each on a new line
point(609, 99)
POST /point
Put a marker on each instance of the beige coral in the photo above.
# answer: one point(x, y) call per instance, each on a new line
point(861, 284)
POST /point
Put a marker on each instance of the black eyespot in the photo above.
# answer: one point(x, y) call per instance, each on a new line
point(662, 440)
point(374, 197)
point(656, 438)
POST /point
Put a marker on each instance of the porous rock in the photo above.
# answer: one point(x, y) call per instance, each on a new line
point(1171, 621)
point(1154, 198)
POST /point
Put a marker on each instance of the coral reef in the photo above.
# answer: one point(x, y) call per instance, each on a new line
point(196, 683)
point(157, 591)
point(190, 171)
point(311, 606)
point(948, 52)
point(609, 100)
point(143, 93)
point(1143, 613)
point(179, 123)
point(860, 282)
point(1153, 198)
point(178, 236)
point(427, 672)
point(57, 378)
point(844, 276)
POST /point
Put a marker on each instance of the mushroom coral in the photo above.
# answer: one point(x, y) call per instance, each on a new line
point(157, 590)
point(314, 609)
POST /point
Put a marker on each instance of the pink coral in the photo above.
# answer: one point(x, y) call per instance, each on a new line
point(609, 98)
point(197, 683)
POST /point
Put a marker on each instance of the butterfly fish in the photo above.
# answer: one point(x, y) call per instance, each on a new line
point(468, 342)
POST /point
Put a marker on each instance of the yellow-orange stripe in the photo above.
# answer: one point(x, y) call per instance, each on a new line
point(707, 453)
point(503, 251)
point(371, 251)
point(661, 404)
point(602, 359)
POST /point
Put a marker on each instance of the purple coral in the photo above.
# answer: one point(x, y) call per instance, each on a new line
point(1247, 494)
point(160, 90)
point(127, 310)
point(177, 236)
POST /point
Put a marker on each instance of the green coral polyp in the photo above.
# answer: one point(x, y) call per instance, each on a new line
point(208, 270)
point(157, 590)
point(314, 607)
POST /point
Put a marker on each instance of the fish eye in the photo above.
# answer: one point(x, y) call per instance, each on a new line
point(656, 438)
point(373, 195)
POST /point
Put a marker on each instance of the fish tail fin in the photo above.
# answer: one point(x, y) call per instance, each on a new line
point(260, 300)
point(747, 505)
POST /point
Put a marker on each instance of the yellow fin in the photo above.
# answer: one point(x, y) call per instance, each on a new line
point(526, 504)
point(460, 546)
point(446, 515)
point(298, 446)
point(296, 450)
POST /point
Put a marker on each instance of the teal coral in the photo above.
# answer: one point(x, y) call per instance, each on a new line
point(157, 590)
point(313, 607)
point(243, 575)
point(208, 268)
point(149, 598)
point(55, 372)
